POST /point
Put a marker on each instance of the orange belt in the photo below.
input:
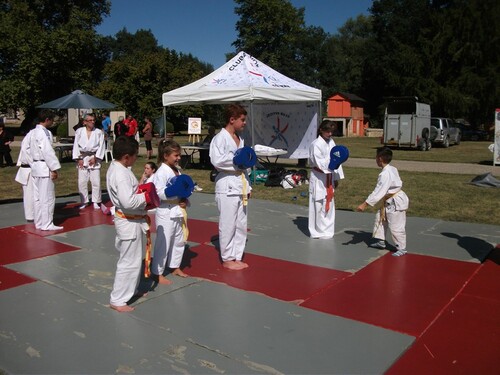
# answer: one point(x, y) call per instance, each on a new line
point(147, 260)
point(329, 188)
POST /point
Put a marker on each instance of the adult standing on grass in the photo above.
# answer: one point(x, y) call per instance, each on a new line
point(88, 152)
point(394, 203)
point(148, 137)
point(232, 188)
point(44, 166)
point(322, 183)
point(6, 138)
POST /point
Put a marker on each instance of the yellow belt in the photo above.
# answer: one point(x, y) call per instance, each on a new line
point(147, 260)
point(244, 183)
point(382, 209)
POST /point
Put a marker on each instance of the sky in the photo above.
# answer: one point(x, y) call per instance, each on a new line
point(206, 28)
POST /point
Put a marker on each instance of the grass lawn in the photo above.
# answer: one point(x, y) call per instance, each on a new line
point(432, 195)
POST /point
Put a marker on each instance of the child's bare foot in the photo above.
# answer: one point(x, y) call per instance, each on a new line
point(125, 308)
point(163, 280)
point(232, 265)
point(242, 264)
point(179, 272)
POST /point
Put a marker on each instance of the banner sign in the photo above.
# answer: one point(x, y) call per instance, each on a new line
point(288, 126)
point(194, 125)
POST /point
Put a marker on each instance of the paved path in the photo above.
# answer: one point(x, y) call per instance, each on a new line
point(420, 166)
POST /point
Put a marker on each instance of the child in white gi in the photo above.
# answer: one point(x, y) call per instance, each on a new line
point(23, 176)
point(150, 169)
point(130, 221)
point(322, 183)
point(171, 229)
point(394, 203)
point(88, 152)
point(232, 188)
point(44, 166)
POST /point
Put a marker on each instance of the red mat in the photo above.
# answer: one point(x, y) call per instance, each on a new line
point(486, 283)
point(463, 340)
point(11, 279)
point(19, 246)
point(404, 294)
point(275, 278)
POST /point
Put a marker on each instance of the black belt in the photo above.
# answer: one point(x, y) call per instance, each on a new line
point(25, 165)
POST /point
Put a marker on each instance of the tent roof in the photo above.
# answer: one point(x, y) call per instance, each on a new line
point(242, 79)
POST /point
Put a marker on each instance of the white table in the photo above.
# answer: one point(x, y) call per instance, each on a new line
point(63, 150)
point(189, 150)
point(264, 156)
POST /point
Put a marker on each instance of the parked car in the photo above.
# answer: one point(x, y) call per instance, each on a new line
point(471, 134)
point(444, 132)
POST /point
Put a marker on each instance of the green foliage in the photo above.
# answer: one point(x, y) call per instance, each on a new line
point(62, 130)
point(47, 49)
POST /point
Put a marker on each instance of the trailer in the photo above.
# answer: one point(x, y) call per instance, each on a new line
point(407, 123)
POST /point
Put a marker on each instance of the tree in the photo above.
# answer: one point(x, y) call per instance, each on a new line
point(139, 72)
point(47, 49)
point(271, 31)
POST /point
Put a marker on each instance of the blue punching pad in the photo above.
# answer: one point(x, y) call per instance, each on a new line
point(244, 158)
point(338, 155)
point(181, 186)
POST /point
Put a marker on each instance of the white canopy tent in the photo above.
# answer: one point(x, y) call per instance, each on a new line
point(283, 113)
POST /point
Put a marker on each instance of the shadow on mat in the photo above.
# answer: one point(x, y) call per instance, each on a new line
point(476, 247)
point(366, 237)
point(302, 224)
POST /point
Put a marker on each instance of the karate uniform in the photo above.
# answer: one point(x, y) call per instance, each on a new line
point(232, 187)
point(23, 176)
point(395, 202)
point(122, 187)
point(169, 243)
point(43, 161)
point(87, 148)
point(321, 222)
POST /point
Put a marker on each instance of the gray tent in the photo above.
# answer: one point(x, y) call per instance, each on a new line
point(78, 99)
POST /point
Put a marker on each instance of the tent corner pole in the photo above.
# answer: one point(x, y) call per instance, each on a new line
point(164, 122)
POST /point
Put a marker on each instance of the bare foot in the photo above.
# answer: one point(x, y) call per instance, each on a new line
point(125, 308)
point(163, 280)
point(179, 272)
point(232, 265)
point(242, 264)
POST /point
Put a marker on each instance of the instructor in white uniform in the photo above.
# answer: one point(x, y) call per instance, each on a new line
point(44, 167)
point(88, 152)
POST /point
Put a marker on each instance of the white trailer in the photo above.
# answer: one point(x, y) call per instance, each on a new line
point(407, 123)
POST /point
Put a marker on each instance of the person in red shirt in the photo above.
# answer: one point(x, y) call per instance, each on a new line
point(132, 126)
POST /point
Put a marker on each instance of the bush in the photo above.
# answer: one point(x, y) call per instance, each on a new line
point(62, 130)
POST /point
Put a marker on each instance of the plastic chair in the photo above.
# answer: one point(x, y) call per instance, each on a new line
point(109, 149)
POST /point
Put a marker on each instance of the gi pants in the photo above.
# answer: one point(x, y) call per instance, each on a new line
point(395, 222)
point(232, 226)
point(44, 200)
point(129, 242)
point(94, 176)
point(169, 243)
point(321, 224)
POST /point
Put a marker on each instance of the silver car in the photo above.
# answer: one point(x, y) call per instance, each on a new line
point(444, 132)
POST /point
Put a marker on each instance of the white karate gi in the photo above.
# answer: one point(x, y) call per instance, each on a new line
point(122, 187)
point(230, 186)
point(321, 223)
point(43, 161)
point(389, 184)
point(23, 176)
point(87, 148)
point(169, 243)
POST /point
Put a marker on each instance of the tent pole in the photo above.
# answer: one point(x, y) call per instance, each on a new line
point(253, 140)
point(164, 122)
